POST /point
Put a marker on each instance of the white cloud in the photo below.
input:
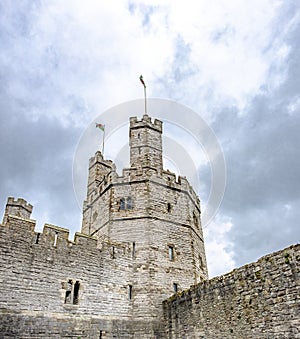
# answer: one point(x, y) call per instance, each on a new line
point(218, 246)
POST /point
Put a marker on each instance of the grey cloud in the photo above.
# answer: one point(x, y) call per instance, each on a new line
point(263, 163)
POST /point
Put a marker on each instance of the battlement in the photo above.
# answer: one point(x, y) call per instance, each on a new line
point(98, 158)
point(57, 238)
point(146, 121)
point(17, 207)
point(20, 202)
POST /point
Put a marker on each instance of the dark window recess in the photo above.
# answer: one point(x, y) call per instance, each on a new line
point(122, 204)
point(113, 252)
point(171, 253)
point(37, 239)
point(129, 292)
point(76, 293)
point(169, 207)
point(133, 249)
point(175, 287)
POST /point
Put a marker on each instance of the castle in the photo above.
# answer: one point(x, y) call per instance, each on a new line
point(138, 268)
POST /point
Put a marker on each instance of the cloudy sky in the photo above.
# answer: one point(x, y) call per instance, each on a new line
point(235, 63)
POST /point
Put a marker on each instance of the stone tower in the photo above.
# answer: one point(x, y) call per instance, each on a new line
point(150, 214)
point(19, 208)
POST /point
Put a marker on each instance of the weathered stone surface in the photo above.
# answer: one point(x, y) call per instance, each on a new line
point(259, 300)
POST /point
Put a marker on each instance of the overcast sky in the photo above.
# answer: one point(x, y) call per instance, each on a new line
point(235, 63)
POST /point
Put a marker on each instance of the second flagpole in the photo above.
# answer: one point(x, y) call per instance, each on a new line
point(143, 82)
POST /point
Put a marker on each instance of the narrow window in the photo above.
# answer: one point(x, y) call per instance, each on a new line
point(68, 295)
point(37, 239)
point(55, 239)
point(129, 292)
point(133, 249)
point(171, 253)
point(169, 207)
point(129, 203)
point(100, 335)
point(200, 262)
point(122, 204)
point(76, 293)
point(113, 252)
point(175, 287)
point(138, 135)
point(195, 219)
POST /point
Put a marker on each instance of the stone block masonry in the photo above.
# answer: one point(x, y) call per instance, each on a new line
point(259, 300)
point(54, 287)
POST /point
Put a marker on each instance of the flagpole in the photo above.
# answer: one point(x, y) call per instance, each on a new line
point(143, 82)
point(145, 99)
point(103, 142)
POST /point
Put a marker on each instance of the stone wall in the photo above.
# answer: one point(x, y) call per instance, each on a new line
point(259, 300)
point(38, 272)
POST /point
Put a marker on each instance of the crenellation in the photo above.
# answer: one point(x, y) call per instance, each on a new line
point(17, 207)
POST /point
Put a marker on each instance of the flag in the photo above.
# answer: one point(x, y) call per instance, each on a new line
point(102, 127)
point(142, 81)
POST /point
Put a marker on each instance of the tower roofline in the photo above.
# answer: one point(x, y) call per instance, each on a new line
point(146, 121)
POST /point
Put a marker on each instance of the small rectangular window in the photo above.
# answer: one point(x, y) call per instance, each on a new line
point(72, 292)
point(55, 239)
point(76, 293)
point(122, 204)
point(133, 249)
point(171, 253)
point(129, 203)
point(129, 292)
point(175, 287)
point(37, 239)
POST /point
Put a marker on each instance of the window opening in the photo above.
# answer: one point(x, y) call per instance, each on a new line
point(129, 292)
point(175, 287)
point(122, 204)
point(129, 203)
point(171, 253)
point(133, 249)
point(169, 207)
point(126, 204)
point(200, 262)
point(72, 292)
point(76, 293)
point(68, 296)
point(195, 219)
point(37, 239)
point(55, 239)
point(138, 135)
point(113, 252)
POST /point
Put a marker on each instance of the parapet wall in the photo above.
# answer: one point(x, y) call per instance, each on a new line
point(259, 300)
point(38, 272)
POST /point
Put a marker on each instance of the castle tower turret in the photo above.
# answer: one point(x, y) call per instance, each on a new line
point(150, 213)
point(19, 208)
point(145, 143)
